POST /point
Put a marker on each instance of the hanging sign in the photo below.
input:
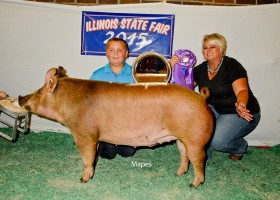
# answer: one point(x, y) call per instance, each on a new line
point(142, 32)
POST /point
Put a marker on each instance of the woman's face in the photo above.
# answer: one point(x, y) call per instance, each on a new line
point(211, 51)
point(116, 53)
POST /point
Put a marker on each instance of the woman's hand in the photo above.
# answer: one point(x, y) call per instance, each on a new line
point(243, 112)
point(174, 60)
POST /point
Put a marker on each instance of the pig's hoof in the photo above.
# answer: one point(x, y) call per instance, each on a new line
point(176, 174)
point(180, 172)
point(193, 186)
point(83, 180)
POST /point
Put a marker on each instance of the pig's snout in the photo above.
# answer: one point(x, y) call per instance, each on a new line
point(20, 100)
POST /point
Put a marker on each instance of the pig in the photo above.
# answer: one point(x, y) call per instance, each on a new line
point(140, 114)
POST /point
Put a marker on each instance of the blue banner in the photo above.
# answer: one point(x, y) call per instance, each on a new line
point(142, 32)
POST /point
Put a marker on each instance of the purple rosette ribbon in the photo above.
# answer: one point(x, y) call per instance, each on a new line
point(182, 72)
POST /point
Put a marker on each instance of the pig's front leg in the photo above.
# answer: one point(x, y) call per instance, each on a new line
point(88, 153)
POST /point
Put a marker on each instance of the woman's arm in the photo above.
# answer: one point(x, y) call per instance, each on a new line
point(240, 88)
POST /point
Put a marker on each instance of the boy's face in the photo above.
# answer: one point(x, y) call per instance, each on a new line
point(116, 53)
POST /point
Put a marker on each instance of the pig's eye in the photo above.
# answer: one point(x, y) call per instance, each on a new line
point(39, 92)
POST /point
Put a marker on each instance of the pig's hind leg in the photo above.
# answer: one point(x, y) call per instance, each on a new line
point(88, 153)
point(197, 155)
point(192, 152)
point(184, 162)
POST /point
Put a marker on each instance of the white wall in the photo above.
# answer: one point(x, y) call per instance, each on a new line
point(37, 36)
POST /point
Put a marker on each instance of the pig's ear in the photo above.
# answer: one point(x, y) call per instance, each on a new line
point(61, 72)
point(51, 84)
point(51, 80)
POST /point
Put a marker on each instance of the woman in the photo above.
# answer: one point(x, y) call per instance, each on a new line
point(236, 109)
point(116, 70)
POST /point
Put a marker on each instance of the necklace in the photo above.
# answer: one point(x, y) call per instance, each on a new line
point(216, 69)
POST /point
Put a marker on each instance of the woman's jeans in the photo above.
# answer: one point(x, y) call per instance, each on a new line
point(230, 131)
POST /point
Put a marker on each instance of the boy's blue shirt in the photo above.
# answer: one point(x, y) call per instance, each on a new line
point(106, 74)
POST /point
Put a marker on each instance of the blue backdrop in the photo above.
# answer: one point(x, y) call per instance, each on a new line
point(142, 32)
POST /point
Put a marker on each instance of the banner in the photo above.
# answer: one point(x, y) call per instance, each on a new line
point(142, 32)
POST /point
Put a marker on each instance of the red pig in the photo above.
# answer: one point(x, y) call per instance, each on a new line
point(126, 114)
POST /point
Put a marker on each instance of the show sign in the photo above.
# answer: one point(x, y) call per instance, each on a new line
point(142, 32)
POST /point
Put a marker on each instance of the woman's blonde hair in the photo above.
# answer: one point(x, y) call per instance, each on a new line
point(217, 39)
